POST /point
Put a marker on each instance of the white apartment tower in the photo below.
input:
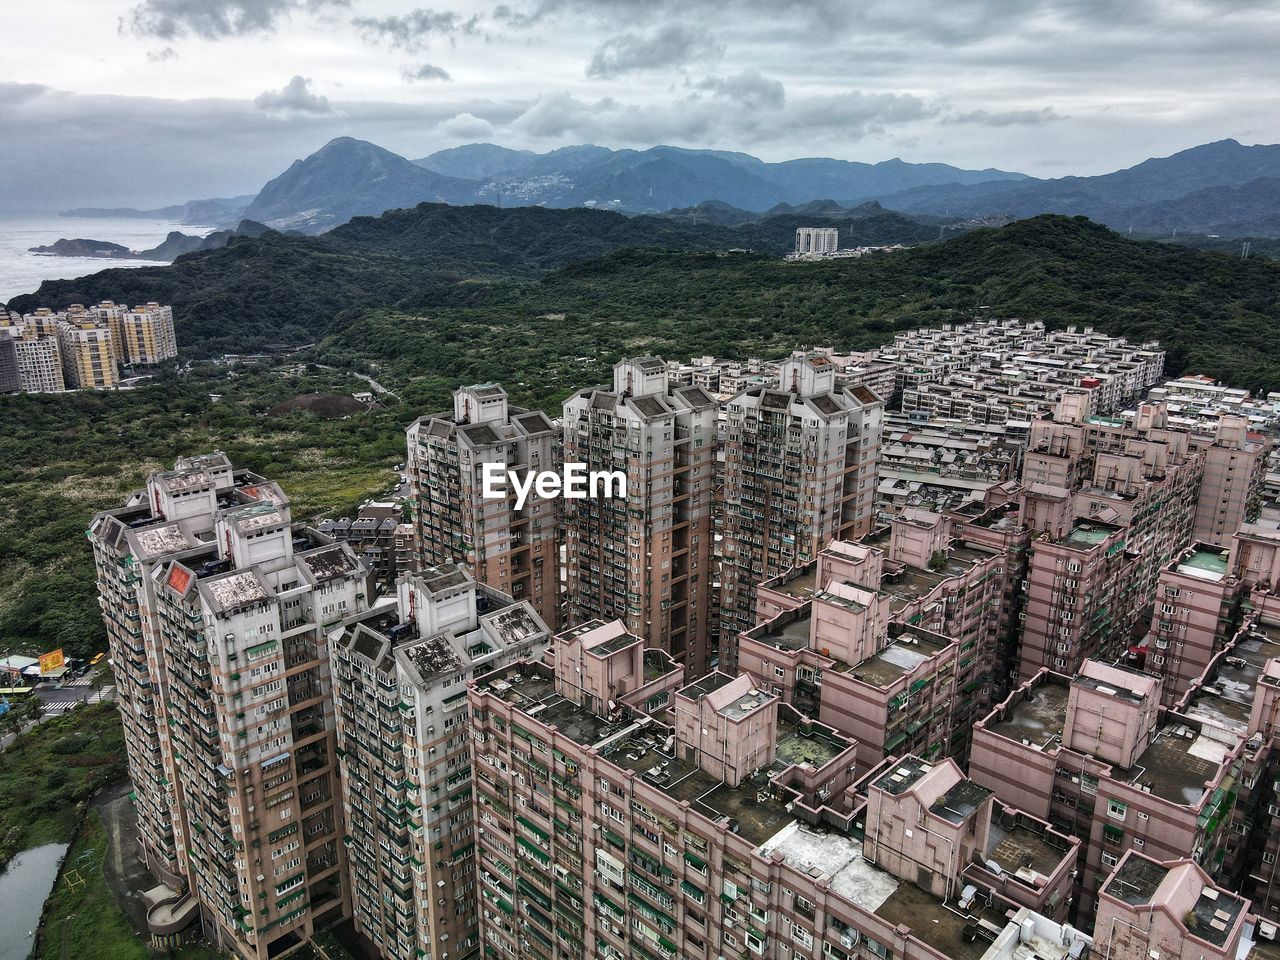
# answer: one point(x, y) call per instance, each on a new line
point(810, 240)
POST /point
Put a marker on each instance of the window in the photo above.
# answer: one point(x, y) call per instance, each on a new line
point(1109, 859)
point(1117, 809)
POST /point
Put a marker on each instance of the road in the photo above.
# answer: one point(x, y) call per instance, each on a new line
point(377, 387)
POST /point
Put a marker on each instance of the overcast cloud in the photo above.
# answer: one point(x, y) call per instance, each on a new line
point(227, 93)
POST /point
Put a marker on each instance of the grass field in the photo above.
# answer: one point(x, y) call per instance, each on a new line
point(83, 920)
point(46, 775)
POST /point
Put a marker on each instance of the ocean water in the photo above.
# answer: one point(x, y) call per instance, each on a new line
point(22, 271)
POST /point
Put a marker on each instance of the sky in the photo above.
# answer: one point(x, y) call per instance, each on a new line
point(150, 102)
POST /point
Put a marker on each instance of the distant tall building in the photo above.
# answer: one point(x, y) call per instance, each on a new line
point(645, 560)
point(400, 681)
point(513, 551)
point(39, 364)
point(10, 379)
point(817, 240)
point(88, 353)
point(800, 463)
point(217, 609)
point(146, 336)
point(375, 535)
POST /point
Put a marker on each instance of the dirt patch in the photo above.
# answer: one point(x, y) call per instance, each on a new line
point(326, 406)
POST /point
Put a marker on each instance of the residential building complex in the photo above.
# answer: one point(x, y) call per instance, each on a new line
point(799, 471)
point(217, 607)
point(515, 551)
point(645, 559)
point(400, 673)
point(893, 642)
point(992, 679)
point(626, 831)
point(994, 371)
point(84, 348)
point(943, 464)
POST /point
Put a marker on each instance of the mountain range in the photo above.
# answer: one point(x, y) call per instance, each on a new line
point(1223, 188)
point(1220, 187)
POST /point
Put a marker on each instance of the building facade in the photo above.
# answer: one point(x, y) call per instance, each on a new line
point(645, 559)
point(630, 833)
point(217, 607)
point(800, 462)
point(400, 673)
point(515, 551)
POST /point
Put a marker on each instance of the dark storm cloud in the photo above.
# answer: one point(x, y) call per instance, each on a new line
point(295, 97)
point(416, 29)
point(425, 71)
point(674, 45)
point(214, 19)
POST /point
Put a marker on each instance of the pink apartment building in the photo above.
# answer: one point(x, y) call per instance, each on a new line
point(1195, 614)
point(644, 559)
point(707, 819)
point(1098, 757)
point(892, 641)
point(799, 471)
point(1170, 910)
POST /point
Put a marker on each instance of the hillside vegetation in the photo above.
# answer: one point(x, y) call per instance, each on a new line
point(465, 266)
point(1215, 314)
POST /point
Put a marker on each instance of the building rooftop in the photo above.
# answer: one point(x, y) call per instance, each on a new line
point(798, 582)
point(1140, 881)
point(1204, 563)
point(944, 930)
point(161, 540)
point(1017, 847)
point(897, 659)
point(1037, 718)
point(788, 631)
point(960, 802)
point(432, 657)
point(1177, 764)
point(1226, 699)
point(514, 624)
point(231, 591)
point(1088, 533)
point(903, 775)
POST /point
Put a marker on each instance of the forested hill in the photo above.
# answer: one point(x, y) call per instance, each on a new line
point(1217, 314)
